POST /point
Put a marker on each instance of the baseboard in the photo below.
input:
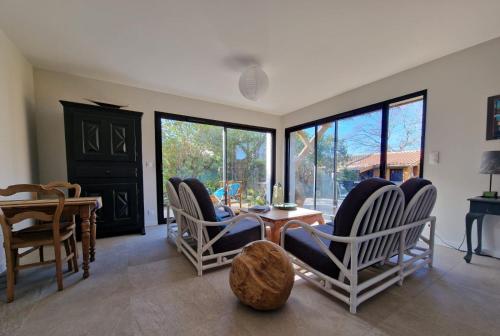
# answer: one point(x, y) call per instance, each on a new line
point(491, 253)
point(485, 251)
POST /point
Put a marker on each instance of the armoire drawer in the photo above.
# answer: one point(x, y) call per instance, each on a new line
point(109, 172)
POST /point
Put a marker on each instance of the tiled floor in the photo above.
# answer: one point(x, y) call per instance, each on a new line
point(140, 285)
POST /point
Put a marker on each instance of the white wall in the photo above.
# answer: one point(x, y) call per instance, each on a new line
point(53, 86)
point(458, 86)
point(17, 129)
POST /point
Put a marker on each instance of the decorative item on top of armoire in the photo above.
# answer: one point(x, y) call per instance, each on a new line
point(493, 118)
point(490, 164)
point(104, 104)
point(104, 156)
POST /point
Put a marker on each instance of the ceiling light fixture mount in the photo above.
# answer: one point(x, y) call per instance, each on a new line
point(253, 82)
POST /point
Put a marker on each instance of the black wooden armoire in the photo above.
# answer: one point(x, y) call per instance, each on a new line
point(104, 156)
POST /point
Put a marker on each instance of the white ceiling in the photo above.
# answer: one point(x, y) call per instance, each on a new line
point(311, 50)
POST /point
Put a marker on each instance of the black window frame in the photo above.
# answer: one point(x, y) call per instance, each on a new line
point(383, 106)
point(159, 116)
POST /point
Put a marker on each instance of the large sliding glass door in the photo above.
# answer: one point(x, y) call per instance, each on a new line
point(302, 165)
point(248, 173)
point(235, 163)
point(404, 139)
point(192, 149)
point(358, 150)
point(327, 158)
point(325, 171)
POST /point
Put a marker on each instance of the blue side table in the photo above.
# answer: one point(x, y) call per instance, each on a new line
point(479, 207)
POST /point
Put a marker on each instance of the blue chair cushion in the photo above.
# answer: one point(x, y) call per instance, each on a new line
point(299, 243)
point(176, 181)
point(245, 231)
point(349, 209)
point(221, 214)
point(205, 203)
point(412, 186)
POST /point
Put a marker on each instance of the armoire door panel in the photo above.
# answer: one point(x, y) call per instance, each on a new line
point(101, 215)
point(105, 139)
point(125, 202)
point(90, 143)
point(119, 209)
point(91, 137)
point(122, 143)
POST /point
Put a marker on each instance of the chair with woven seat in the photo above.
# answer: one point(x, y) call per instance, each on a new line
point(67, 222)
point(216, 241)
point(15, 239)
point(332, 255)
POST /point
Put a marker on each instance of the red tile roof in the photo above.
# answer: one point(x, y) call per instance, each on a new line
point(394, 159)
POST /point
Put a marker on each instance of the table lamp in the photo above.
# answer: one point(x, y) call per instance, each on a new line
point(490, 164)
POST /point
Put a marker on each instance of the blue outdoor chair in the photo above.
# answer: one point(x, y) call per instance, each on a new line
point(219, 195)
point(233, 192)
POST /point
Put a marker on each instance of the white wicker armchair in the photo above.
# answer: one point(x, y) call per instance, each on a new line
point(175, 231)
point(373, 231)
point(212, 244)
point(380, 230)
point(418, 247)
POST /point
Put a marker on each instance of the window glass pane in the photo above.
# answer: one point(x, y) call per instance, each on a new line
point(301, 179)
point(404, 139)
point(325, 192)
point(396, 175)
point(358, 150)
point(192, 150)
point(248, 167)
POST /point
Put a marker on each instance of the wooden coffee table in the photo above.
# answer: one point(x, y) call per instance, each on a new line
point(278, 218)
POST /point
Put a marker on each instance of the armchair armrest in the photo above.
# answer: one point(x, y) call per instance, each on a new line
point(354, 242)
point(228, 209)
point(315, 234)
point(229, 223)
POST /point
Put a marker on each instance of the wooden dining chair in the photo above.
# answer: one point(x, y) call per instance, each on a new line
point(67, 221)
point(33, 240)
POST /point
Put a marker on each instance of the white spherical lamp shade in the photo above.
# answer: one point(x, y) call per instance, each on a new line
point(253, 83)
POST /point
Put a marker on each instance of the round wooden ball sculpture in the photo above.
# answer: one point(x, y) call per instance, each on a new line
point(262, 276)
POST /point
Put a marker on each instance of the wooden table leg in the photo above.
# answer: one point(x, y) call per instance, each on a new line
point(85, 216)
point(92, 235)
point(320, 219)
point(276, 231)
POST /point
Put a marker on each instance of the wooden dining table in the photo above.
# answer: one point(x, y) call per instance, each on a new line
point(84, 207)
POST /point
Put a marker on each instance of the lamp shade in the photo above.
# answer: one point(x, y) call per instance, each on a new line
point(253, 83)
point(490, 163)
